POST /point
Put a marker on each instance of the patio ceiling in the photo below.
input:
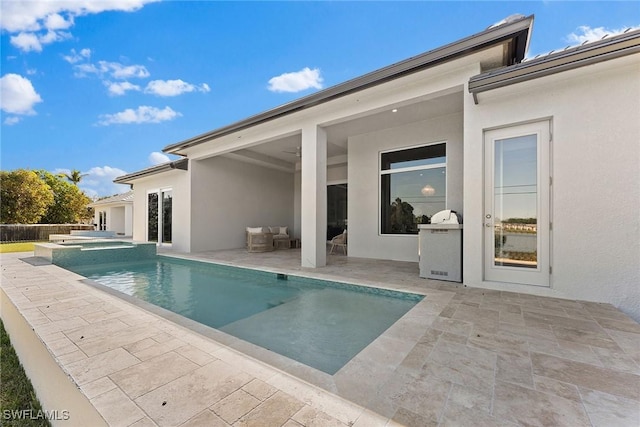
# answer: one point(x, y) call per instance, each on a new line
point(281, 153)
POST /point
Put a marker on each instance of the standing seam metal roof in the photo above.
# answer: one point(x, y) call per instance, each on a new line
point(118, 198)
point(623, 44)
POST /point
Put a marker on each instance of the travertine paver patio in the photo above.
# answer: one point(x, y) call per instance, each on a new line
point(460, 357)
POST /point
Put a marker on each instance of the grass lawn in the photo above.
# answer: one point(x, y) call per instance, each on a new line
point(16, 393)
point(5, 248)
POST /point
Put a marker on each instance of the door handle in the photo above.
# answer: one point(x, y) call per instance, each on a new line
point(488, 224)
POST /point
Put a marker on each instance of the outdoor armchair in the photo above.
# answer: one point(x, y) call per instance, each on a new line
point(259, 239)
point(339, 241)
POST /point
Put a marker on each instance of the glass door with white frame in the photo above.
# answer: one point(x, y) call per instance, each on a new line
point(159, 216)
point(516, 217)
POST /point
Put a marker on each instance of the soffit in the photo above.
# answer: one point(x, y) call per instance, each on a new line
point(282, 153)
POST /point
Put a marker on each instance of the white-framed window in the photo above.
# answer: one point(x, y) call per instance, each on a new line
point(413, 186)
point(159, 215)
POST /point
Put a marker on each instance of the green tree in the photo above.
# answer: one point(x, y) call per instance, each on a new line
point(24, 197)
point(402, 218)
point(69, 203)
point(75, 176)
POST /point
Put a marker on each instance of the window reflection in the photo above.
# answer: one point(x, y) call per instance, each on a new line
point(152, 218)
point(413, 188)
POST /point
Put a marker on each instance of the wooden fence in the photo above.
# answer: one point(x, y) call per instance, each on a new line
point(36, 232)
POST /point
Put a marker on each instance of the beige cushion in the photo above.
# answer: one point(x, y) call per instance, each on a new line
point(280, 230)
point(254, 230)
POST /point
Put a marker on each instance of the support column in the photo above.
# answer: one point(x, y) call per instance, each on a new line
point(128, 220)
point(314, 196)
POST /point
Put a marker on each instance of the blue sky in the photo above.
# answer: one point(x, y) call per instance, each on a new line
point(103, 86)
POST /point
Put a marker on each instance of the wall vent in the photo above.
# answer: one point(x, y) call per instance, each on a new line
point(439, 273)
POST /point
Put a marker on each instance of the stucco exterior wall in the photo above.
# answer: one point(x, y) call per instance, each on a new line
point(115, 219)
point(595, 163)
point(128, 220)
point(365, 239)
point(179, 182)
point(229, 195)
point(336, 174)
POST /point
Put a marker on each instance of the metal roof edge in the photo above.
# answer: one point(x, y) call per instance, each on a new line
point(118, 198)
point(518, 30)
point(568, 59)
point(182, 164)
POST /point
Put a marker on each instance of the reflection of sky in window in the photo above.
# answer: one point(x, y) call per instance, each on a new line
point(418, 162)
point(515, 180)
point(408, 187)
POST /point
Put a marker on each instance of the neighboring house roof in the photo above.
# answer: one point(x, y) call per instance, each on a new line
point(118, 198)
point(182, 164)
point(570, 58)
point(514, 30)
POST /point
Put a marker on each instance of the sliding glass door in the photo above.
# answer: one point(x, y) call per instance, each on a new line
point(336, 209)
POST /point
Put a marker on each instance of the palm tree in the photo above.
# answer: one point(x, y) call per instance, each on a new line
point(75, 176)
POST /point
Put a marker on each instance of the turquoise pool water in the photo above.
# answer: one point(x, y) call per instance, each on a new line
point(321, 324)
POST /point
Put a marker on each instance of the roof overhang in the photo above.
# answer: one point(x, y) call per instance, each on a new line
point(118, 199)
point(181, 164)
point(515, 34)
point(571, 58)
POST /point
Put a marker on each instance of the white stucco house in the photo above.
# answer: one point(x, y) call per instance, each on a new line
point(115, 214)
point(547, 147)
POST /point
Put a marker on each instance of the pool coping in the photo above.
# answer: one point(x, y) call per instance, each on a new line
point(315, 388)
point(283, 363)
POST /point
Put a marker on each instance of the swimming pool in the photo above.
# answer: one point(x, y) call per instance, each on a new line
point(319, 323)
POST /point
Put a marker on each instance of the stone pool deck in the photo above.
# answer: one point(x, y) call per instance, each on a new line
point(460, 357)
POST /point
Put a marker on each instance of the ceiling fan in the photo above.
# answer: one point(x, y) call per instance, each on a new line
point(297, 152)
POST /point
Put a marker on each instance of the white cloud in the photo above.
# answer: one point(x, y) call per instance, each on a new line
point(12, 120)
point(173, 87)
point(30, 17)
point(120, 71)
point(18, 95)
point(113, 69)
point(74, 56)
point(53, 36)
point(56, 21)
point(120, 88)
point(27, 42)
point(585, 33)
point(143, 114)
point(157, 158)
point(83, 69)
point(106, 70)
point(98, 181)
point(297, 81)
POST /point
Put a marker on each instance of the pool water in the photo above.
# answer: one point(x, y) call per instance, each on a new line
point(318, 323)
